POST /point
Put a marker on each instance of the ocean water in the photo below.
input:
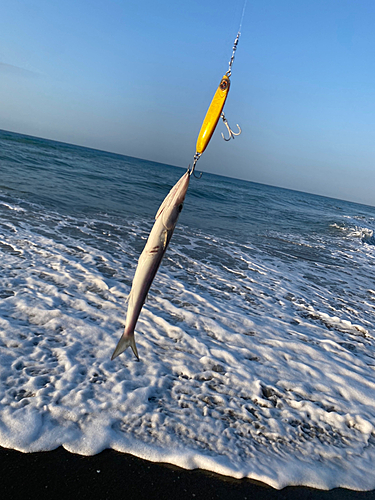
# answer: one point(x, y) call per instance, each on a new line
point(256, 343)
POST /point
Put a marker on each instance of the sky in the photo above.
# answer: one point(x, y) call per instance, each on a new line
point(136, 78)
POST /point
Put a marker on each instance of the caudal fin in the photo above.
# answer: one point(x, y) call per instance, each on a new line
point(124, 343)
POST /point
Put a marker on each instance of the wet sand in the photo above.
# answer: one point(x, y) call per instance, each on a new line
point(111, 475)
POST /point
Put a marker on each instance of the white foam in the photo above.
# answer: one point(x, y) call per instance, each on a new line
point(250, 366)
point(11, 207)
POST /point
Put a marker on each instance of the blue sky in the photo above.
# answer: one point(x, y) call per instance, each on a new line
point(137, 77)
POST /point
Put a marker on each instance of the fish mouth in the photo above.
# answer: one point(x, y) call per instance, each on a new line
point(182, 187)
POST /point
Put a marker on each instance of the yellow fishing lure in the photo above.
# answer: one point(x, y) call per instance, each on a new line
point(213, 114)
point(215, 111)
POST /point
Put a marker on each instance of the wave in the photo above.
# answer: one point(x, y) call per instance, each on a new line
point(248, 367)
point(365, 234)
point(368, 236)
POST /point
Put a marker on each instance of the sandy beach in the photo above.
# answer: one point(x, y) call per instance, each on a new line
point(114, 475)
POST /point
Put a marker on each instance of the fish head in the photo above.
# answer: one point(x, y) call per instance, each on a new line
point(171, 207)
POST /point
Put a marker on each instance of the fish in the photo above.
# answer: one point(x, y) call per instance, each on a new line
point(150, 259)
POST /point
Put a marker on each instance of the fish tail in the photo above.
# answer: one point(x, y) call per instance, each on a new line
point(124, 342)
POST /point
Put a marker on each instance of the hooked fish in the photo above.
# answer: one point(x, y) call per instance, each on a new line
point(150, 259)
point(169, 211)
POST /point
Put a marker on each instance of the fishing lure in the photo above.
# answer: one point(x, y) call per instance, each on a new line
point(213, 114)
point(215, 110)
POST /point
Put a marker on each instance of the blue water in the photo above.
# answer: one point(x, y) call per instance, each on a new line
point(73, 180)
point(249, 267)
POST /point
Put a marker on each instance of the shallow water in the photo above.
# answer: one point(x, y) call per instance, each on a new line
point(257, 341)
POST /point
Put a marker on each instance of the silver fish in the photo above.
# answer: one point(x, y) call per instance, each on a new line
point(150, 259)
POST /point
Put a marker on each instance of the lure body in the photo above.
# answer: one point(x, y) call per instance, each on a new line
point(213, 114)
point(150, 259)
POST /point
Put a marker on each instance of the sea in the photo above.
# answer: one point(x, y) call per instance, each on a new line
point(256, 342)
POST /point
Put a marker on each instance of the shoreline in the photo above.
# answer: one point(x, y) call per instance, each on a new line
point(111, 474)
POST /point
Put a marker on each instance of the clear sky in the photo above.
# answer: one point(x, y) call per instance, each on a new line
point(136, 77)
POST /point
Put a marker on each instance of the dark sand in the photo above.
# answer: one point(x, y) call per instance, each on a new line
point(59, 474)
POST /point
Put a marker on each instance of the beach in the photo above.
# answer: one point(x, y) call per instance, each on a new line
point(110, 475)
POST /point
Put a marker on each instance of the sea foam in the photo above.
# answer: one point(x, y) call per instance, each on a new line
point(246, 369)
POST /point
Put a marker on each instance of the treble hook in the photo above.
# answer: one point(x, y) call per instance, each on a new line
point(230, 131)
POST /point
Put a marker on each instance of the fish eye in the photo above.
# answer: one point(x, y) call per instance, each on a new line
point(180, 207)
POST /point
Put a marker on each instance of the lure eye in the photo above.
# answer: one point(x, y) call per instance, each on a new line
point(224, 84)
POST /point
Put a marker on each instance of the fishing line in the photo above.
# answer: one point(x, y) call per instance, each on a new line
point(243, 13)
